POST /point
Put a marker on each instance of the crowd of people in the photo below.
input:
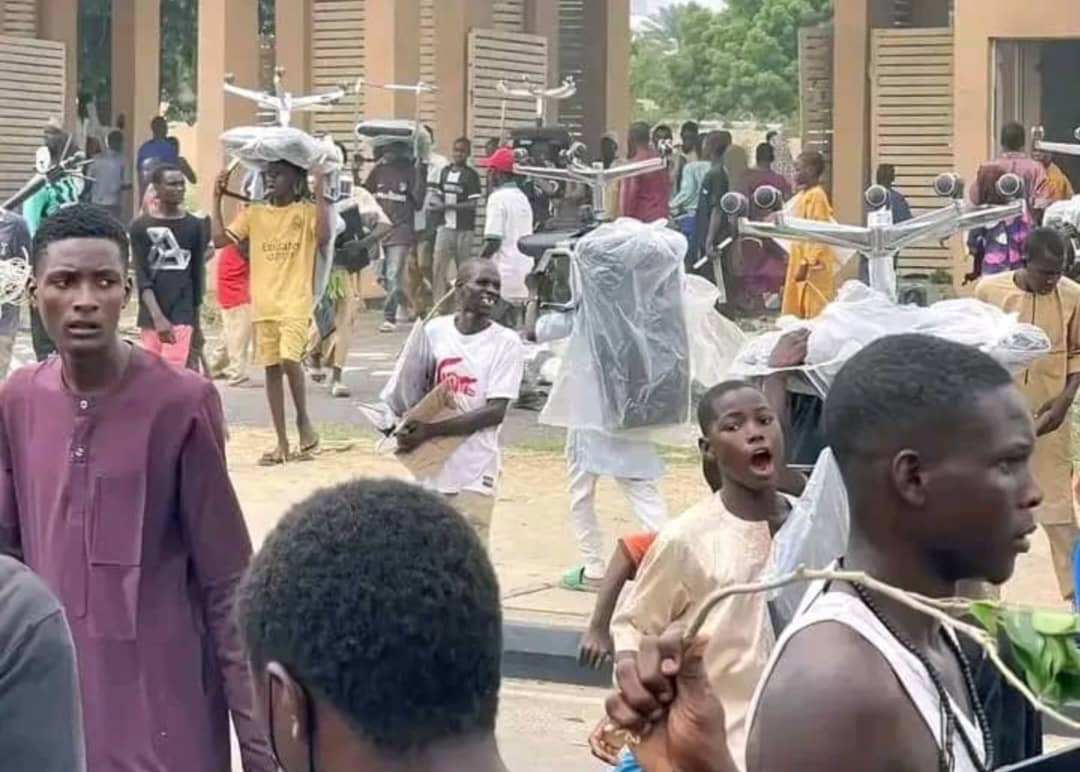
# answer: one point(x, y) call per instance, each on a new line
point(367, 630)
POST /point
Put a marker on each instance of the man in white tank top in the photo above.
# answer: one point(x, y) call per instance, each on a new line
point(934, 444)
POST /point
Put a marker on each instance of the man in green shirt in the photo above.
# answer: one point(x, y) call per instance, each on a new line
point(44, 203)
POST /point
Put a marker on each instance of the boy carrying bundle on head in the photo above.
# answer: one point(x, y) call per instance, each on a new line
point(283, 234)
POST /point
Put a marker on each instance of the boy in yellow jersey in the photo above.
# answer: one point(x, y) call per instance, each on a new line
point(284, 232)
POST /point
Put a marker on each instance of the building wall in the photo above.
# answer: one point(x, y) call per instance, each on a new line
point(390, 54)
point(977, 23)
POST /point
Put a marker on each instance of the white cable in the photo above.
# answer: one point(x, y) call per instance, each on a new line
point(14, 278)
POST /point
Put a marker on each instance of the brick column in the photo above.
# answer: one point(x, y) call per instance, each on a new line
point(606, 90)
point(392, 55)
point(453, 20)
point(136, 77)
point(851, 114)
point(228, 43)
point(292, 43)
point(59, 20)
point(542, 18)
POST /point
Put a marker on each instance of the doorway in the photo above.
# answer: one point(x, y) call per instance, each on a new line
point(1034, 83)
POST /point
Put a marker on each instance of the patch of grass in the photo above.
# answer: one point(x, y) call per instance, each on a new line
point(553, 445)
point(687, 456)
point(544, 444)
point(337, 432)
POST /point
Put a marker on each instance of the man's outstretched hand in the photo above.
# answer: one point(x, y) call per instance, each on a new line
point(412, 434)
point(665, 699)
point(790, 349)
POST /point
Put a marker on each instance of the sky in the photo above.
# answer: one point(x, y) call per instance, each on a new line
point(646, 7)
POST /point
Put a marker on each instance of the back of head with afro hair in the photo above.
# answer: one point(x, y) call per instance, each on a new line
point(380, 599)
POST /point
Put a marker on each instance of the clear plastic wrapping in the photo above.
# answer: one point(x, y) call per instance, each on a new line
point(257, 146)
point(414, 373)
point(627, 363)
point(379, 133)
point(814, 535)
point(714, 339)
point(860, 315)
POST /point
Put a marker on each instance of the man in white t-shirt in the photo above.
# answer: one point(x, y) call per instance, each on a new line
point(481, 363)
point(508, 217)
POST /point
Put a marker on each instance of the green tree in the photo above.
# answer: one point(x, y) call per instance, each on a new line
point(737, 63)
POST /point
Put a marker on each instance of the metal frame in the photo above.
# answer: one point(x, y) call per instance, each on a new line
point(71, 166)
point(1062, 148)
point(529, 90)
point(594, 175)
point(283, 103)
point(419, 89)
point(879, 242)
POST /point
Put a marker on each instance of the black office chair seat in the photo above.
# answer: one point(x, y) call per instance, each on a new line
point(537, 244)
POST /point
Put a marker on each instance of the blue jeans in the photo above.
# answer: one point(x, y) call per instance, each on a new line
point(392, 277)
point(627, 762)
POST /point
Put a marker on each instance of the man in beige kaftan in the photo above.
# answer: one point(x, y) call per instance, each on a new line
point(1041, 296)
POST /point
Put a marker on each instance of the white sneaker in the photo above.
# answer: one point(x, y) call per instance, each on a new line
point(387, 326)
point(340, 390)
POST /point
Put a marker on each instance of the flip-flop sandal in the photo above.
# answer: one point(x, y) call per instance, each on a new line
point(576, 581)
point(310, 449)
point(273, 458)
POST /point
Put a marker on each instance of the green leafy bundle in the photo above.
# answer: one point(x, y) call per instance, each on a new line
point(1044, 644)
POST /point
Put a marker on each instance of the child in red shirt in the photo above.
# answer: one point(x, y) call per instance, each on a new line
point(232, 356)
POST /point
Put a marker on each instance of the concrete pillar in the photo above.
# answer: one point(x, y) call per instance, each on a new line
point(617, 101)
point(228, 43)
point(59, 20)
point(606, 87)
point(392, 55)
point(542, 18)
point(851, 118)
point(292, 44)
point(136, 57)
point(453, 20)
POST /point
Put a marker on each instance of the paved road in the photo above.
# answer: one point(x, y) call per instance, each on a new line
point(370, 363)
point(542, 727)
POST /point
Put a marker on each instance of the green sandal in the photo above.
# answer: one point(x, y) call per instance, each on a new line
point(576, 581)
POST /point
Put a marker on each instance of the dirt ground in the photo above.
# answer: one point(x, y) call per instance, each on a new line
point(532, 543)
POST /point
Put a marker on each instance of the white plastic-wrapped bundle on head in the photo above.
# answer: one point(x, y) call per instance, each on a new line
point(627, 362)
point(384, 132)
point(860, 315)
point(814, 535)
point(258, 146)
point(255, 147)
